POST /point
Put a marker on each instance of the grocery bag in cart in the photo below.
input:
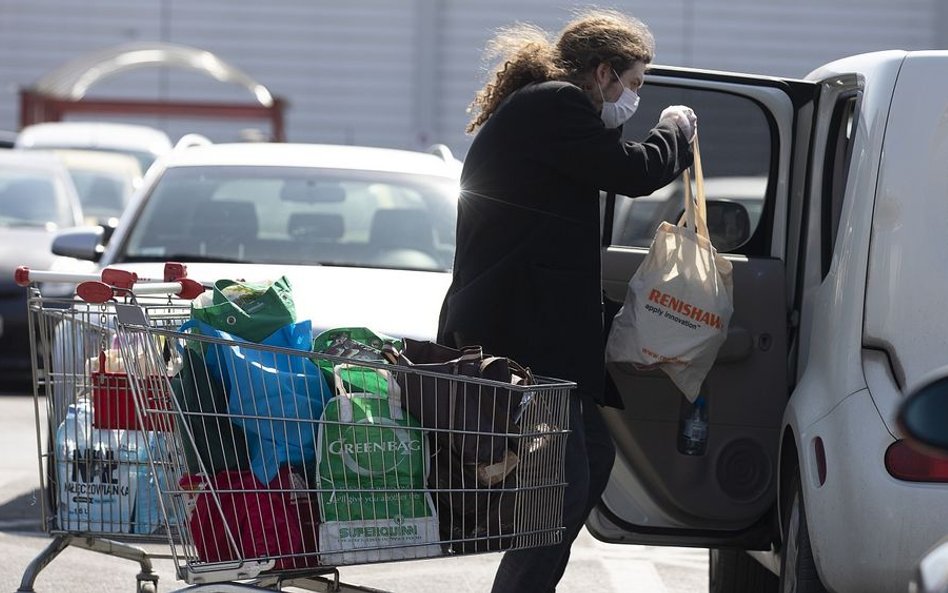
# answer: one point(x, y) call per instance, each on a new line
point(274, 397)
point(236, 517)
point(473, 419)
point(372, 467)
point(355, 344)
point(250, 310)
point(479, 438)
point(215, 443)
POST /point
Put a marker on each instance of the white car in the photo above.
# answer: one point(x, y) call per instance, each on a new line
point(365, 235)
point(806, 483)
point(105, 181)
point(143, 142)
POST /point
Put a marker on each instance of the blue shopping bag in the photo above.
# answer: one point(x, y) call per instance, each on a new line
point(276, 398)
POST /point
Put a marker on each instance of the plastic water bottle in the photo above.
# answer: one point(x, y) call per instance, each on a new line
point(96, 481)
point(693, 426)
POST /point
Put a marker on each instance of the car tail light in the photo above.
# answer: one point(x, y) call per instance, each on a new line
point(905, 462)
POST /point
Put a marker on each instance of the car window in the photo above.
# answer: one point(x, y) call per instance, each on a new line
point(736, 149)
point(102, 194)
point(32, 198)
point(295, 215)
point(839, 154)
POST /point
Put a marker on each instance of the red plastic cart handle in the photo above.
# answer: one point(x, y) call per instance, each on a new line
point(94, 291)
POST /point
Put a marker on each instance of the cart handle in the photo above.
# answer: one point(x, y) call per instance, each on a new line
point(95, 291)
point(24, 276)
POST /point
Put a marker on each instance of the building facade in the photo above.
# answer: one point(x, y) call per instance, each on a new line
point(401, 73)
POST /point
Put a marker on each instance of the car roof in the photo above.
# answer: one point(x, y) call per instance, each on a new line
point(97, 160)
point(280, 154)
point(32, 160)
point(93, 135)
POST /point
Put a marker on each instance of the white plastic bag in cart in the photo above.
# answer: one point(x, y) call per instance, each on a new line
point(679, 302)
point(372, 467)
point(97, 473)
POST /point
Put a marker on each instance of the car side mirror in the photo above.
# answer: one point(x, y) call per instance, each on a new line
point(87, 243)
point(728, 224)
point(923, 415)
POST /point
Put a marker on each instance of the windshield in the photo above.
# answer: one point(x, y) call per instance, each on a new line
point(102, 194)
point(293, 215)
point(32, 198)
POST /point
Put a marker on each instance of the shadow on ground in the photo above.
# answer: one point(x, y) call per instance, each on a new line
point(22, 514)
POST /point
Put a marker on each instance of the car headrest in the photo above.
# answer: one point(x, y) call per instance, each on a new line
point(231, 217)
point(408, 228)
point(315, 227)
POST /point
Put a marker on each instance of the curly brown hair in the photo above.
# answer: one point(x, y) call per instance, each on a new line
point(525, 54)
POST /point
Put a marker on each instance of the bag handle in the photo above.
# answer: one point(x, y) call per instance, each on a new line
point(345, 403)
point(696, 209)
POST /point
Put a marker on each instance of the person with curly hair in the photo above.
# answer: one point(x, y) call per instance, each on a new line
point(527, 280)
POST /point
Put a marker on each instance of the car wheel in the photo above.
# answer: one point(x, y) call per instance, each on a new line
point(798, 572)
point(733, 571)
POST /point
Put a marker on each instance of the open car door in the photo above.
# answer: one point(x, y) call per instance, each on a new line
point(754, 139)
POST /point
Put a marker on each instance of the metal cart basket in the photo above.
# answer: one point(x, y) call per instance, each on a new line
point(94, 471)
point(276, 462)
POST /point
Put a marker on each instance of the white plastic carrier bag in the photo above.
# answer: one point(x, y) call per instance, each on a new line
point(679, 302)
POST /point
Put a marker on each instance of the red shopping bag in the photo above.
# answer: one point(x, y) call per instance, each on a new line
point(254, 521)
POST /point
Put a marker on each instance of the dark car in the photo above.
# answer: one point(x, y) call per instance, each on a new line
point(7, 138)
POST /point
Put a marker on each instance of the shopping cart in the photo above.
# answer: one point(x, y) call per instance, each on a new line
point(94, 473)
point(334, 472)
point(267, 466)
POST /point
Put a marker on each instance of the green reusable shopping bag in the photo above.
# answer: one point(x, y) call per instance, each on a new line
point(355, 343)
point(372, 468)
point(249, 310)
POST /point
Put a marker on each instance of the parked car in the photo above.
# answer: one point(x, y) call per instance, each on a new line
point(105, 182)
point(37, 200)
point(143, 142)
point(837, 313)
point(7, 138)
point(365, 235)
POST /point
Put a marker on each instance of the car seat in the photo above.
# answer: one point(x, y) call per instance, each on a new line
point(225, 228)
point(402, 228)
point(315, 227)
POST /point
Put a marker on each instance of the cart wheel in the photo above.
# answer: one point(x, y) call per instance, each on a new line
point(147, 584)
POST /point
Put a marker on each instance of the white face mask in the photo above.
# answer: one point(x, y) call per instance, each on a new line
point(616, 114)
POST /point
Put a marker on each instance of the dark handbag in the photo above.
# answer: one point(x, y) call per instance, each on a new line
point(476, 417)
point(474, 446)
point(477, 518)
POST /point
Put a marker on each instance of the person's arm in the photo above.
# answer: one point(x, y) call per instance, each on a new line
point(581, 147)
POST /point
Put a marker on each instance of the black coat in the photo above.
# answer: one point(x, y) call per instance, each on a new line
point(527, 272)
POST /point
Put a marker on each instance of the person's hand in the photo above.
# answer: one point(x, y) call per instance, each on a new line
point(684, 117)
